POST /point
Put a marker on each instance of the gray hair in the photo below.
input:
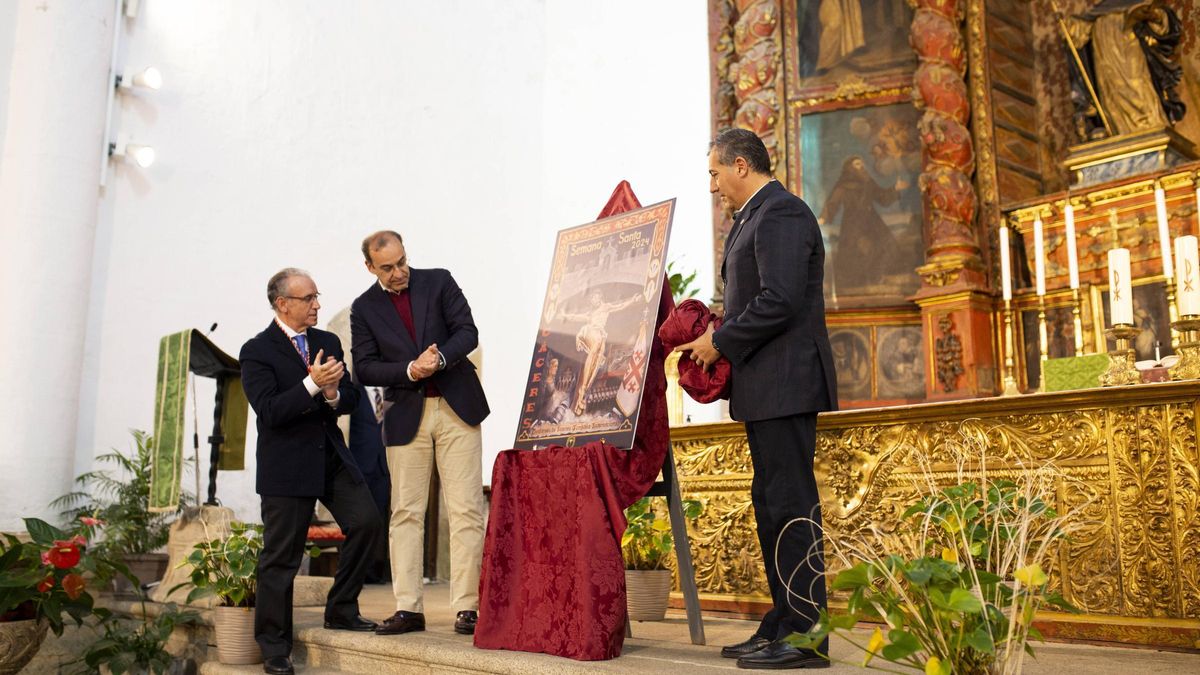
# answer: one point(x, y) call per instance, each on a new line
point(277, 286)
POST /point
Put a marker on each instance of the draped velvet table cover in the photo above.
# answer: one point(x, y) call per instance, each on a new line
point(553, 579)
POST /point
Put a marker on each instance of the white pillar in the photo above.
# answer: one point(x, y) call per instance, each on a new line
point(49, 191)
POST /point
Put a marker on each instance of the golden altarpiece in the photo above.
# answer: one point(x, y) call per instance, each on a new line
point(915, 135)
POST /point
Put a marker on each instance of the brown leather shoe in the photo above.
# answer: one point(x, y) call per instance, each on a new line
point(401, 622)
point(464, 623)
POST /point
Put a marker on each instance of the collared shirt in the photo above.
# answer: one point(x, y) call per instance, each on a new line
point(738, 214)
point(308, 381)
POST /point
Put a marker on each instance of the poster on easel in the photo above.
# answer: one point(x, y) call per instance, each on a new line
point(594, 336)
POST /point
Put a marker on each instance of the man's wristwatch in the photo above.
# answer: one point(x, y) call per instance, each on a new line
point(441, 361)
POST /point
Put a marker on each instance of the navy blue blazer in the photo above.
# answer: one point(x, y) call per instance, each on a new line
point(382, 350)
point(774, 330)
point(294, 429)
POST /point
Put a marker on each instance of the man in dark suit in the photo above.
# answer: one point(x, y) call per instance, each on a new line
point(295, 380)
point(775, 337)
point(411, 333)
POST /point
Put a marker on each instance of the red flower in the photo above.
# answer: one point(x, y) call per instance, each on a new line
point(73, 584)
point(78, 540)
point(46, 584)
point(63, 555)
point(90, 521)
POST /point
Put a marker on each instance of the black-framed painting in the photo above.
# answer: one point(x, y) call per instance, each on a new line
point(858, 174)
point(592, 350)
point(850, 40)
point(1060, 339)
point(900, 363)
point(1150, 313)
point(852, 361)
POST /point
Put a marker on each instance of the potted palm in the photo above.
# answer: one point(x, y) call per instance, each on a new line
point(44, 584)
point(646, 547)
point(227, 569)
point(120, 497)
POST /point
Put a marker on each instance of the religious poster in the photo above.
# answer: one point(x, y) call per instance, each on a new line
point(840, 41)
point(858, 174)
point(590, 357)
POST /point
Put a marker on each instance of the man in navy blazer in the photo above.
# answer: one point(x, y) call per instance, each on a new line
point(296, 382)
point(775, 337)
point(411, 332)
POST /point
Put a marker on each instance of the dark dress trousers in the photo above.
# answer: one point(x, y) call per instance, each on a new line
point(383, 348)
point(302, 457)
point(774, 334)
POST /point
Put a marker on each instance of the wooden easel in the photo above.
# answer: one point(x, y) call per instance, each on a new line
point(669, 487)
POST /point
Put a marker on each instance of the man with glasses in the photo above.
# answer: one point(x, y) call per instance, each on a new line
point(411, 333)
point(296, 382)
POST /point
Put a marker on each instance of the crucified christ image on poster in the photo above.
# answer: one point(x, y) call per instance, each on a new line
point(589, 360)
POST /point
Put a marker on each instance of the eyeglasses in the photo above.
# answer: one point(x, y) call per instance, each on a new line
point(308, 299)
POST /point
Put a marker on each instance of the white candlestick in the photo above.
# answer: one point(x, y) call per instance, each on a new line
point(1187, 283)
point(1005, 265)
point(1039, 257)
point(1072, 254)
point(1164, 233)
point(1120, 288)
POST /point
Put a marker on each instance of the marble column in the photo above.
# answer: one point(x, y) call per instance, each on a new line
point(49, 194)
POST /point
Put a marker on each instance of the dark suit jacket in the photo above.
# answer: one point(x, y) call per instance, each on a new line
point(383, 348)
point(294, 429)
point(774, 332)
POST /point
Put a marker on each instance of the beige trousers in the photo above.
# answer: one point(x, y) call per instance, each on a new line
point(457, 447)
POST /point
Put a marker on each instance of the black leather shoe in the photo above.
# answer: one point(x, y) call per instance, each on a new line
point(464, 624)
point(750, 646)
point(278, 665)
point(780, 655)
point(358, 623)
point(401, 622)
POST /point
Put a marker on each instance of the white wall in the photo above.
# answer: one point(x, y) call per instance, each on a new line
point(287, 130)
point(8, 29)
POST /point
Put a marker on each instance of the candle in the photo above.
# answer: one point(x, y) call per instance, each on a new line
point(1005, 265)
point(1187, 283)
point(1039, 257)
point(1072, 254)
point(1164, 233)
point(1119, 287)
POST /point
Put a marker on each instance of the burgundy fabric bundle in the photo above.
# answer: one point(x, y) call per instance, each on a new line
point(686, 323)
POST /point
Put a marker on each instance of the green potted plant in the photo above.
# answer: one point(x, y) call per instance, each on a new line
point(121, 498)
point(227, 569)
point(646, 547)
point(44, 583)
point(138, 647)
point(958, 588)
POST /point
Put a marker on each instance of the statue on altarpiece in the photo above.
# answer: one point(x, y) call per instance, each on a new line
point(1124, 59)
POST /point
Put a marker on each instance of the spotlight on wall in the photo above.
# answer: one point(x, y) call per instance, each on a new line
point(142, 155)
point(150, 78)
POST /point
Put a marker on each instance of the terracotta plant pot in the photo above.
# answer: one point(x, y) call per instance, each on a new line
point(147, 567)
point(234, 629)
point(19, 642)
point(646, 593)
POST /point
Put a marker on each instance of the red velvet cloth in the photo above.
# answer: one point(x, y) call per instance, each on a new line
point(553, 579)
point(687, 322)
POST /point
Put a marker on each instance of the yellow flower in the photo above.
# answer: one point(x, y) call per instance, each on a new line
point(950, 555)
point(873, 647)
point(934, 666)
point(952, 524)
point(1030, 575)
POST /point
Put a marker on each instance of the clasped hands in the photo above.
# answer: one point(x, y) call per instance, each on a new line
point(702, 349)
point(426, 364)
point(326, 373)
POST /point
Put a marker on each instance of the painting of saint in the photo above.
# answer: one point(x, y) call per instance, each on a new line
point(1150, 314)
point(852, 361)
point(901, 363)
point(857, 172)
point(840, 39)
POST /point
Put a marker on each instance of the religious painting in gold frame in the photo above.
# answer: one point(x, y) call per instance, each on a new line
point(1150, 313)
point(859, 172)
point(838, 50)
point(592, 350)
